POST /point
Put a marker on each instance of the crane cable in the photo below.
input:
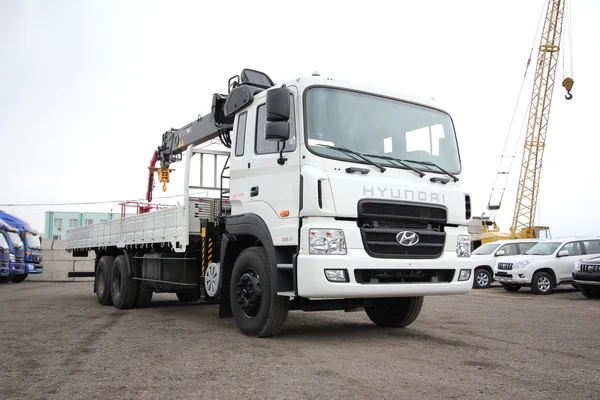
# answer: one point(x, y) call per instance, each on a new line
point(568, 81)
point(500, 172)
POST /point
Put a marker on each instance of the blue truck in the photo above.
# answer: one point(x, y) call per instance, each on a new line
point(4, 257)
point(31, 242)
point(16, 265)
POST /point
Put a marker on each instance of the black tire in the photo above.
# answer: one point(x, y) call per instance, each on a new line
point(257, 313)
point(144, 297)
point(542, 283)
point(589, 292)
point(102, 280)
point(123, 288)
point(186, 297)
point(482, 278)
point(19, 278)
point(397, 312)
point(510, 287)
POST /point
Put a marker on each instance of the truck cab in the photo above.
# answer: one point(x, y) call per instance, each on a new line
point(31, 240)
point(4, 257)
point(16, 270)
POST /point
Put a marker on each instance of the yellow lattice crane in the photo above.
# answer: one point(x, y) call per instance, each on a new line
point(535, 140)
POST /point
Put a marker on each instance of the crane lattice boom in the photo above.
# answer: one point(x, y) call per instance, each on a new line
point(539, 112)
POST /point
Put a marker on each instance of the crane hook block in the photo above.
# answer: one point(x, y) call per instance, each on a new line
point(164, 177)
point(568, 84)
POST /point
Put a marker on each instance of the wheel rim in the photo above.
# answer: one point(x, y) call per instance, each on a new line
point(483, 279)
point(116, 284)
point(249, 293)
point(544, 283)
point(211, 279)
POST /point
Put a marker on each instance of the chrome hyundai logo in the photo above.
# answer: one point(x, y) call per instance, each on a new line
point(407, 238)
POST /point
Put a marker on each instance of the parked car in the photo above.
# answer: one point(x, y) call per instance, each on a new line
point(487, 255)
point(546, 265)
point(586, 275)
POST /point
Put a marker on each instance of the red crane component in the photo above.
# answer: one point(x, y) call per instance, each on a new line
point(151, 169)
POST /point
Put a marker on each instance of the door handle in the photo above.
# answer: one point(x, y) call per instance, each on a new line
point(254, 191)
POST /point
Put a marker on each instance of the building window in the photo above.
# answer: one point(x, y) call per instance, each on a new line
point(58, 223)
point(56, 237)
point(73, 223)
point(103, 220)
point(89, 222)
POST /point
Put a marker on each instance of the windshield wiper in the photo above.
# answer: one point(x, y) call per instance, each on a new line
point(429, 163)
point(348, 151)
point(421, 174)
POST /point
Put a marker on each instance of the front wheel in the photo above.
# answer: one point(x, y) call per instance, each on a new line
point(542, 283)
point(483, 279)
point(396, 312)
point(257, 309)
point(19, 278)
point(589, 292)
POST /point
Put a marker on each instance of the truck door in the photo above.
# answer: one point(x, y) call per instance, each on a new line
point(259, 185)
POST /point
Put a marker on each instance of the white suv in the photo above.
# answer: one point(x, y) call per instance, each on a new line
point(485, 258)
point(546, 265)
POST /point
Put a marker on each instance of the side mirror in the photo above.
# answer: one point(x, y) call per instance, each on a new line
point(500, 253)
point(278, 104)
point(278, 131)
point(563, 253)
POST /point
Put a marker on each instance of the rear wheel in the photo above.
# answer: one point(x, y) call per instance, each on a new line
point(483, 278)
point(19, 278)
point(509, 287)
point(589, 292)
point(256, 307)
point(396, 312)
point(102, 280)
point(123, 288)
point(542, 283)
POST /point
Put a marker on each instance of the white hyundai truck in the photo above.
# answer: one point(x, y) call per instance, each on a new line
point(333, 196)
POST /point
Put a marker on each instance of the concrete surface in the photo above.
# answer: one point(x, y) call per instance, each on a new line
point(59, 343)
point(58, 262)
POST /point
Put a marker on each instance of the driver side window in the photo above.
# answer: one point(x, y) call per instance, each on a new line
point(510, 249)
point(573, 248)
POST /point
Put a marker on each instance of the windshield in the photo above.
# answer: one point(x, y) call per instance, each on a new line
point(485, 249)
point(33, 241)
point(375, 125)
point(15, 239)
point(543, 249)
point(3, 243)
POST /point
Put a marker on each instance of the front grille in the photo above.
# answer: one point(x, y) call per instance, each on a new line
point(19, 259)
point(505, 266)
point(590, 268)
point(36, 259)
point(382, 224)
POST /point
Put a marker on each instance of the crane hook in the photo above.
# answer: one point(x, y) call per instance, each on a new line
point(568, 84)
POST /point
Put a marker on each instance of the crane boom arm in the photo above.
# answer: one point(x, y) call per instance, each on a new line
point(539, 112)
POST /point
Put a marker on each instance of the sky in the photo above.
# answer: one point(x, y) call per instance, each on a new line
point(88, 88)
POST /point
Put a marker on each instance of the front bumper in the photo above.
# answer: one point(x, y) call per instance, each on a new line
point(586, 279)
point(33, 268)
point(515, 277)
point(312, 283)
point(16, 268)
point(4, 270)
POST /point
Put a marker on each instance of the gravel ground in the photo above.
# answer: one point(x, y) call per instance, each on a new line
point(57, 342)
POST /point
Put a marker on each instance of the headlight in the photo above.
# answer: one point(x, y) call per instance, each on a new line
point(327, 241)
point(577, 267)
point(521, 264)
point(12, 258)
point(463, 246)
